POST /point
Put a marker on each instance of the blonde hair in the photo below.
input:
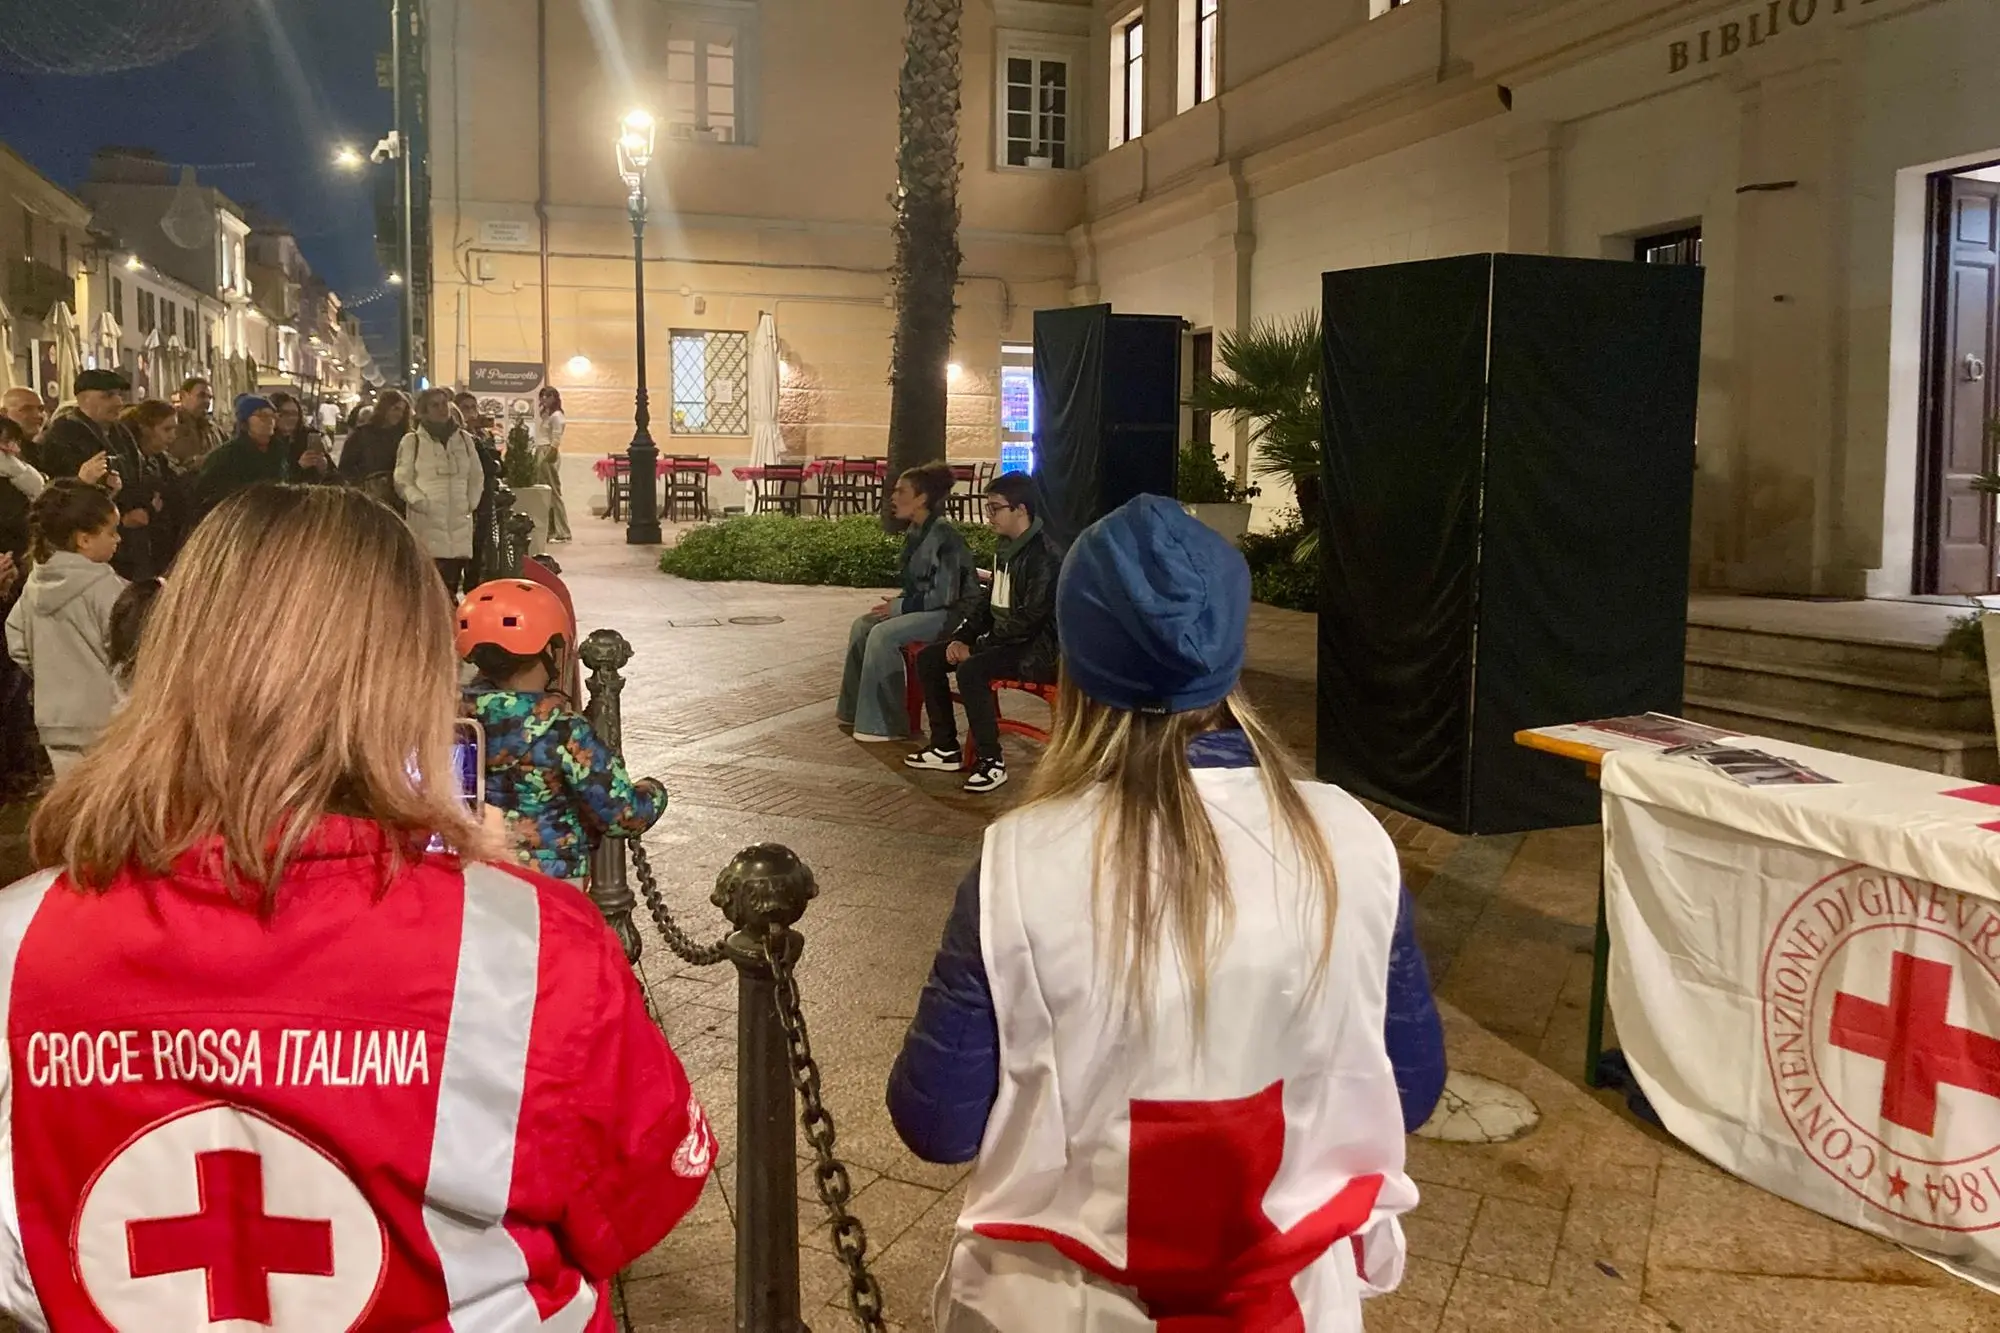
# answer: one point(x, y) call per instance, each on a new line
point(297, 665)
point(1157, 869)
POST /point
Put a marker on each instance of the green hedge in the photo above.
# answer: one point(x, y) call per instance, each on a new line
point(1276, 577)
point(856, 553)
point(773, 548)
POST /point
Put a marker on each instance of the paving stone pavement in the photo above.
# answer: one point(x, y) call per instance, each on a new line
point(1592, 1221)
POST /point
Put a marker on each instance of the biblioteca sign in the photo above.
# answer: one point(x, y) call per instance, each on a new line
point(1754, 28)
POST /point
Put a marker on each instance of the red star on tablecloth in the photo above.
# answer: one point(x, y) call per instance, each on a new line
point(1898, 1186)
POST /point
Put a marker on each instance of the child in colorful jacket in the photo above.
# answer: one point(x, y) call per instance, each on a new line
point(560, 786)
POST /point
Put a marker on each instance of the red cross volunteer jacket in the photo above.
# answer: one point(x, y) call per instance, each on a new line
point(436, 1107)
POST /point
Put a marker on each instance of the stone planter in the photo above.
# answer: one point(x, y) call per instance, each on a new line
point(1231, 521)
point(537, 502)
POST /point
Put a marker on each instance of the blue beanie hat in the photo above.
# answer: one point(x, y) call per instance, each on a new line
point(249, 405)
point(1152, 609)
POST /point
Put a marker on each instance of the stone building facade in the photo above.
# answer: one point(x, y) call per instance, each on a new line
point(1829, 162)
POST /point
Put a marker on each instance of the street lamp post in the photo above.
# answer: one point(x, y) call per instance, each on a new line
point(405, 241)
point(635, 152)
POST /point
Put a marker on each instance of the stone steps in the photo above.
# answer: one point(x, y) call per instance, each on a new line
point(1901, 702)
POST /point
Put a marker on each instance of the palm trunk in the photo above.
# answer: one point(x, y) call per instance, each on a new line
point(927, 257)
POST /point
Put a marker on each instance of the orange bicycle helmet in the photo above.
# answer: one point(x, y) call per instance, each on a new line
point(516, 615)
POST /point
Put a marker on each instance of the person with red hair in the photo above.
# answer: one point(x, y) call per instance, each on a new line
point(559, 785)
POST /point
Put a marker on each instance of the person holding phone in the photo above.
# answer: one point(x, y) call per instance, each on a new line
point(561, 787)
point(77, 441)
point(379, 1088)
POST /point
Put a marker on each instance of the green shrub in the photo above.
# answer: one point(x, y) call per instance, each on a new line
point(1200, 480)
point(518, 463)
point(1966, 637)
point(1277, 577)
point(850, 552)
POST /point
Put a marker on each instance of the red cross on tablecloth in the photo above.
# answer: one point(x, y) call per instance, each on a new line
point(1985, 794)
point(1918, 1049)
point(231, 1240)
point(1199, 1250)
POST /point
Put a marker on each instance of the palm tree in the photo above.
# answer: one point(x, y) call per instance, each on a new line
point(1270, 379)
point(927, 256)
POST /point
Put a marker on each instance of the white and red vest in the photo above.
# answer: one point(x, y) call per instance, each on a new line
point(1136, 1176)
point(439, 1107)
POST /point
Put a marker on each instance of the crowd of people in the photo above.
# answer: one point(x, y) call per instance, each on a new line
point(162, 466)
point(1180, 981)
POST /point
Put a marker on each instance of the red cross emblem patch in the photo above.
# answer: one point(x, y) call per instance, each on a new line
point(1881, 1028)
point(1201, 1255)
point(221, 1219)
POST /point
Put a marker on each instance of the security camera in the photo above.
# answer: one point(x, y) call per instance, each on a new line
point(386, 150)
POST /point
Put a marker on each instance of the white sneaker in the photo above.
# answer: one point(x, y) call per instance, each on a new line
point(991, 775)
point(936, 761)
point(869, 738)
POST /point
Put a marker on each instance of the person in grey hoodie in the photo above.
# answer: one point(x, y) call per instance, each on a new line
point(59, 630)
point(937, 569)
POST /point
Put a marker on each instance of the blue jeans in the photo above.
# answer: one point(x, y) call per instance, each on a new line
point(871, 689)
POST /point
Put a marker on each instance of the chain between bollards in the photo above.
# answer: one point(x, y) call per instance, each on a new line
point(763, 892)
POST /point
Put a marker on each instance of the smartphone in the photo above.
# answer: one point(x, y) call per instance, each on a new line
point(468, 765)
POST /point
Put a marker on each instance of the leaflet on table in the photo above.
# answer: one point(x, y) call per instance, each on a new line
point(1642, 731)
point(1753, 768)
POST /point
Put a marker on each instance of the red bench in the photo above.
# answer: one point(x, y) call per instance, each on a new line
point(913, 704)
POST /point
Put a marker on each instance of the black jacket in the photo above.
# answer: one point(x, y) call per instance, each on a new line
point(1025, 618)
point(145, 552)
point(70, 440)
point(371, 452)
point(236, 465)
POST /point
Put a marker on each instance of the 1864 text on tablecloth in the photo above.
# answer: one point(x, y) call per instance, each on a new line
point(1881, 1026)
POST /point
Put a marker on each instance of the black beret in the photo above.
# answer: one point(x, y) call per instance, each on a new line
point(108, 380)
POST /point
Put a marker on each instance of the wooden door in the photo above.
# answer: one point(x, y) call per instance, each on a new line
point(1964, 382)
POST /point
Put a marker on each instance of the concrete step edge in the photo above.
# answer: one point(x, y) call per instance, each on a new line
point(1851, 678)
point(1921, 738)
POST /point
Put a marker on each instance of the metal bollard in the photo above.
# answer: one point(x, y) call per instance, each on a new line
point(763, 892)
point(520, 530)
point(499, 565)
point(605, 652)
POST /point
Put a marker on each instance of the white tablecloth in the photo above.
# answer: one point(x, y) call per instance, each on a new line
point(1806, 981)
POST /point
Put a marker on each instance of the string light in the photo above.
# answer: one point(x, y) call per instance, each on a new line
point(106, 36)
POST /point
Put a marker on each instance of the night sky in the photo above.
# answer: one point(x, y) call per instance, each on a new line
point(258, 110)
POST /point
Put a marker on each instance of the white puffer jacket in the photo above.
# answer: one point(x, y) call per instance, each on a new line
point(440, 485)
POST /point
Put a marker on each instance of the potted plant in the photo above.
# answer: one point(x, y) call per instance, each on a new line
point(1211, 494)
point(1269, 379)
point(523, 474)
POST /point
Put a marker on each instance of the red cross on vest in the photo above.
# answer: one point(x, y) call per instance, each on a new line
point(1917, 1048)
point(231, 1240)
point(1199, 1251)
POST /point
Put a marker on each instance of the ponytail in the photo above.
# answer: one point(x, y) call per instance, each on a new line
point(65, 510)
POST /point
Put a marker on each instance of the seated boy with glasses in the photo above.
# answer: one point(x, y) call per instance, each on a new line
point(1006, 630)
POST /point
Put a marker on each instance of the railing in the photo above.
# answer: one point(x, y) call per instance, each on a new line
point(33, 288)
point(763, 892)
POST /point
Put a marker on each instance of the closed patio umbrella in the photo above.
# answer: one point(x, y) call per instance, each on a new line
point(107, 341)
point(152, 365)
point(69, 350)
point(767, 442)
point(6, 348)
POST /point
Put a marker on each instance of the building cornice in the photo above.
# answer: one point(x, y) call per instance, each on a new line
point(49, 194)
point(479, 210)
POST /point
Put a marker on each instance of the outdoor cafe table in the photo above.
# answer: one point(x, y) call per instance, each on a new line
point(1806, 978)
point(609, 466)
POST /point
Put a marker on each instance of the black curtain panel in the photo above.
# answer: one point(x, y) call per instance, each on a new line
point(1142, 407)
point(1510, 453)
point(1069, 414)
point(1589, 487)
point(1405, 347)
